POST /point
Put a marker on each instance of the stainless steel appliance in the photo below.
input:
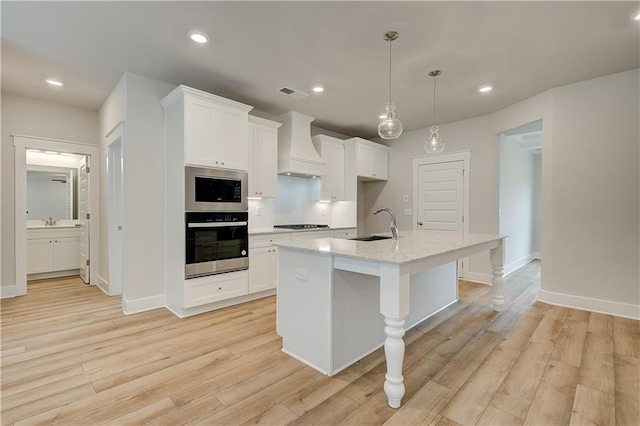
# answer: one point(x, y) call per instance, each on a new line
point(216, 242)
point(215, 190)
point(301, 226)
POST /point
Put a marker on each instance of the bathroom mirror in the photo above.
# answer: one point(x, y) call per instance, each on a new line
point(51, 192)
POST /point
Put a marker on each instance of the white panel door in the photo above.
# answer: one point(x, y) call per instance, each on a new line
point(83, 210)
point(441, 196)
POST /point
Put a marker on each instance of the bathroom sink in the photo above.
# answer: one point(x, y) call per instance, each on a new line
point(371, 238)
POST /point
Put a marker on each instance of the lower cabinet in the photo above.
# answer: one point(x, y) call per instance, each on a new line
point(52, 250)
point(214, 288)
point(263, 259)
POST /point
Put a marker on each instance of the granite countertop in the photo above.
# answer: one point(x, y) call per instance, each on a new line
point(51, 226)
point(262, 231)
point(410, 246)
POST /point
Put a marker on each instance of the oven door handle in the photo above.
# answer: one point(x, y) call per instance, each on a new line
point(215, 224)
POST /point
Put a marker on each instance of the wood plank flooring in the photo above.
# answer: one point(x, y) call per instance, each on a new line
point(70, 356)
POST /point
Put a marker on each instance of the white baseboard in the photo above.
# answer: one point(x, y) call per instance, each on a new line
point(536, 255)
point(9, 291)
point(187, 312)
point(478, 277)
point(103, 285)
point(141, 305)
point(514, 266)
point(588, 304)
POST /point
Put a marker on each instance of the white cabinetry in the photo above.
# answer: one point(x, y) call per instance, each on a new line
point(214, 288)
point(263, 259)
point(371, 160)
point(53, 250)
point(262, 137)
point(332, 151)
point(214, 129)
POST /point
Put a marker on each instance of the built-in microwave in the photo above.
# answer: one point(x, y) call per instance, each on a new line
point(215, 190)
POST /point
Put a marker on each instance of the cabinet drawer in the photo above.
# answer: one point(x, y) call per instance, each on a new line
point(345, 233)
point(267, 240)
point(200, 291)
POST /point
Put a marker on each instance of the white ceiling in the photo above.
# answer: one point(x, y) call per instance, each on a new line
point(523, 48)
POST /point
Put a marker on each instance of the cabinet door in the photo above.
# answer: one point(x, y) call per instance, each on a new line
point(66, 254)
point(253, 163)
point(333, 182)
point(262, 268)
point(379, 164)
point(39, 255)
point(230, 139)
point(363, 157)
point(200, 133)
point(267, 160)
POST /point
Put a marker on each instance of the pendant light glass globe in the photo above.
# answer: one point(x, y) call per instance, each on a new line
point(434, 144)
point(390, 127)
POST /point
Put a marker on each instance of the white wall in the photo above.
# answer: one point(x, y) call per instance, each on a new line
point(517, 209)
point(30, 117)
point(590, 194)
point(143, 154)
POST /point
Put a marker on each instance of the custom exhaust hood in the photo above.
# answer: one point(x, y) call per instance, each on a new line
point(296, 154)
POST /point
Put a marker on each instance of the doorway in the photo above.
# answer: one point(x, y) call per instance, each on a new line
point(22, 144)
point(520, 194)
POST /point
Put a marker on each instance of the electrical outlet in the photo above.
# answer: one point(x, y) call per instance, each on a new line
point(301, 274)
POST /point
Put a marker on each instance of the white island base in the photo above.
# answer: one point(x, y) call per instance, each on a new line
point(332, 319)
point(339, 300)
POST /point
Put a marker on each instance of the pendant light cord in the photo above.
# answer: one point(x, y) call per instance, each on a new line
point(390, 70)
point(434, 99)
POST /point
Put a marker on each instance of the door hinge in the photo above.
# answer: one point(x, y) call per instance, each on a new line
point(463, 219)
point(88, 262)
point(88, 169)
point(88, 216)
point(463, 172)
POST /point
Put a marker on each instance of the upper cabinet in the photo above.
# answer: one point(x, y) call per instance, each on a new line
point(371, 159)
point(332, 151)
point(212, 129)
point(262, 139)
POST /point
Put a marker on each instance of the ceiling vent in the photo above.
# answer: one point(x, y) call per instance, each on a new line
point(296, 94)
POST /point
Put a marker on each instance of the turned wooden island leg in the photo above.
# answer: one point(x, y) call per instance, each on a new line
point(497, 266)
point(394, 305)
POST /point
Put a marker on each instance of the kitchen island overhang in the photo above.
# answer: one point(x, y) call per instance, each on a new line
point(331, 292)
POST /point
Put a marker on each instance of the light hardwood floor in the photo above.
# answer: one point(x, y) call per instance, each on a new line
point(69, 356)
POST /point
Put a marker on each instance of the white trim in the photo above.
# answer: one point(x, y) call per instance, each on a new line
point(536, 255)
point(142, 305)
point(478, 277)
point(588, 304)
point(21, 144)
point(103, 285)
point(114, 136)
point(187, 312)
point(514, 266)
point(9, 291)
point(465, 157)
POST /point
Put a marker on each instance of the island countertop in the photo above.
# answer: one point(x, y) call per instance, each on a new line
point(411, 246)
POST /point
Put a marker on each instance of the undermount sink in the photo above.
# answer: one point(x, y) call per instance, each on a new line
point(371, 238)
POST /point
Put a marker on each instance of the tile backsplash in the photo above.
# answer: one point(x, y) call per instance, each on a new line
point(297, 202)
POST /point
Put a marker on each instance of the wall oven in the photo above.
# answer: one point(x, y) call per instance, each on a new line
point(215, 190)
point(216, 243)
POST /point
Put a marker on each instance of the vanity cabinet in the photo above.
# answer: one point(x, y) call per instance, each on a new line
point(53, 250)
point(263, 259)
point(212, 129)
point(332, 151)
point(262, 140)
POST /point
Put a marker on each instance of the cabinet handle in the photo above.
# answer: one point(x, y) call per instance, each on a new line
point(219, 288)
point(420, 223)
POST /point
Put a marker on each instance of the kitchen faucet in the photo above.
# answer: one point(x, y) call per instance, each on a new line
point(50, 222)
point(394, 222)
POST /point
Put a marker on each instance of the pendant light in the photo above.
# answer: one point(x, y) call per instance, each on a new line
point(434, 144)
point(390, 127)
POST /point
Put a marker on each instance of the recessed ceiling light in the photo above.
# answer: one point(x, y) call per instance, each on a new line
point(54, 82)
point(382, 116)
point(199, 37)
point(636, 16)
point(318, 89)
point(485, 89)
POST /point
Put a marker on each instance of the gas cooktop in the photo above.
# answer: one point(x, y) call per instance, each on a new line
point(301, 226)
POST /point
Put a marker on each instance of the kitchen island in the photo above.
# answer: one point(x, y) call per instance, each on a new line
point(331, 293)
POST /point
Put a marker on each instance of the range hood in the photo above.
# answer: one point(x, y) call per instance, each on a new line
point(296, 154)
